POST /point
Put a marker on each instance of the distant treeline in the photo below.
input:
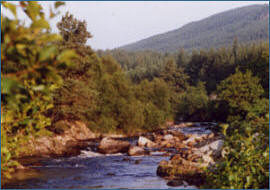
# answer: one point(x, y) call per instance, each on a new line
point(249, 24)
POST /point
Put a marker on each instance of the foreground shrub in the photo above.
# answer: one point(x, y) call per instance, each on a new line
point(245, 162)
point(29, 74)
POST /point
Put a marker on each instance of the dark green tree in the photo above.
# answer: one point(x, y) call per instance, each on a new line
point(77, 98)
point(239, 93)
point(174, 76)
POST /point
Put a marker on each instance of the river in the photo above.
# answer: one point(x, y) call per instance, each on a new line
point(92, 170)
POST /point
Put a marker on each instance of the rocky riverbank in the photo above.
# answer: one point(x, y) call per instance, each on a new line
point(190, 146)
point(69, 142)
point(75, 137)
point(190, 151)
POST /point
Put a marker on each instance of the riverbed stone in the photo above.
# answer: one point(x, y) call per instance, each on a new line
point(179, 167)
point(215, 146)
point(111, 146)
point(179, 135)
point(136, 151)
point(175, 183)
point(194, 139)
point(145, 142)
point(88, 153)
point(211, 135)
point(168, 137)
point(208, 159)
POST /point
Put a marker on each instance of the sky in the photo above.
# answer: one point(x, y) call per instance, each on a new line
point(116, 23)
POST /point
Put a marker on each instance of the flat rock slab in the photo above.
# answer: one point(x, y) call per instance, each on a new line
point(111, 146)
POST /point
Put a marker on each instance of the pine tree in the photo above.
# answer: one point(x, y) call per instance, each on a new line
point(75, 35)
point(174, 76)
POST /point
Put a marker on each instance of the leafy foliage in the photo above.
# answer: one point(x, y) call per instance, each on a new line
point(97, 91)
point(239, 93)
point(29, 74)
point(194, 104)
point(246, 164)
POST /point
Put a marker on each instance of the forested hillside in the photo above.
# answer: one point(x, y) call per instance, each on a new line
point(247, 24)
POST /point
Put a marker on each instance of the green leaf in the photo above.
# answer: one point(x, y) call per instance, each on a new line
point(66, 56)
point(7, 85)
point(25, 122)
point(249, 181)
point(40, 24)
point(50, 38)
point(58, 4)
point(33, 10)
point(253, 169)
point(47, 52)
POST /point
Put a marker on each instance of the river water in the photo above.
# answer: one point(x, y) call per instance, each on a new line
point(117, 171)
point(92, 170)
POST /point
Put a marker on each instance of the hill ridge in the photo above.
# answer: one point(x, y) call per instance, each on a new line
point(248, 24)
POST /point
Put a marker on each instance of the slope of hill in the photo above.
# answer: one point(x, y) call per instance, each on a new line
point(248, 24)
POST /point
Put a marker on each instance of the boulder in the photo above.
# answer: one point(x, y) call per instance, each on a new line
point(109, 135)
point(175, 183)
point(142, 141)
point(136, 151)
point(193, 157)
point(211, 135)
point(191, 143)
point(180, 146)
point(215, 146)
point(177, 166)
point(66, 142)
point(110, 146)
point(79, 131)
point(163, 168)
point(181, 136)
point(195, 138)
point(208, 159)
point(168, 137)
point(87, 154)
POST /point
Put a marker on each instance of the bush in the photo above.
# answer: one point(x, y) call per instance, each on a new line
point(153, 117)
point(29, 74)
point(237, 94)
point(194, 104)
point(246, 162)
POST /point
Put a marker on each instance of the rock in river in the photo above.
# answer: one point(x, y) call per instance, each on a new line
point(215, 146)
point(111, 146)
point(168, 137)
point(175, 183)
point(136, 151)
point(142, 141)
point(68, 143)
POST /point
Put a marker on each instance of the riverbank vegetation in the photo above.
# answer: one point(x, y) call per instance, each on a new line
point(47, 78)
